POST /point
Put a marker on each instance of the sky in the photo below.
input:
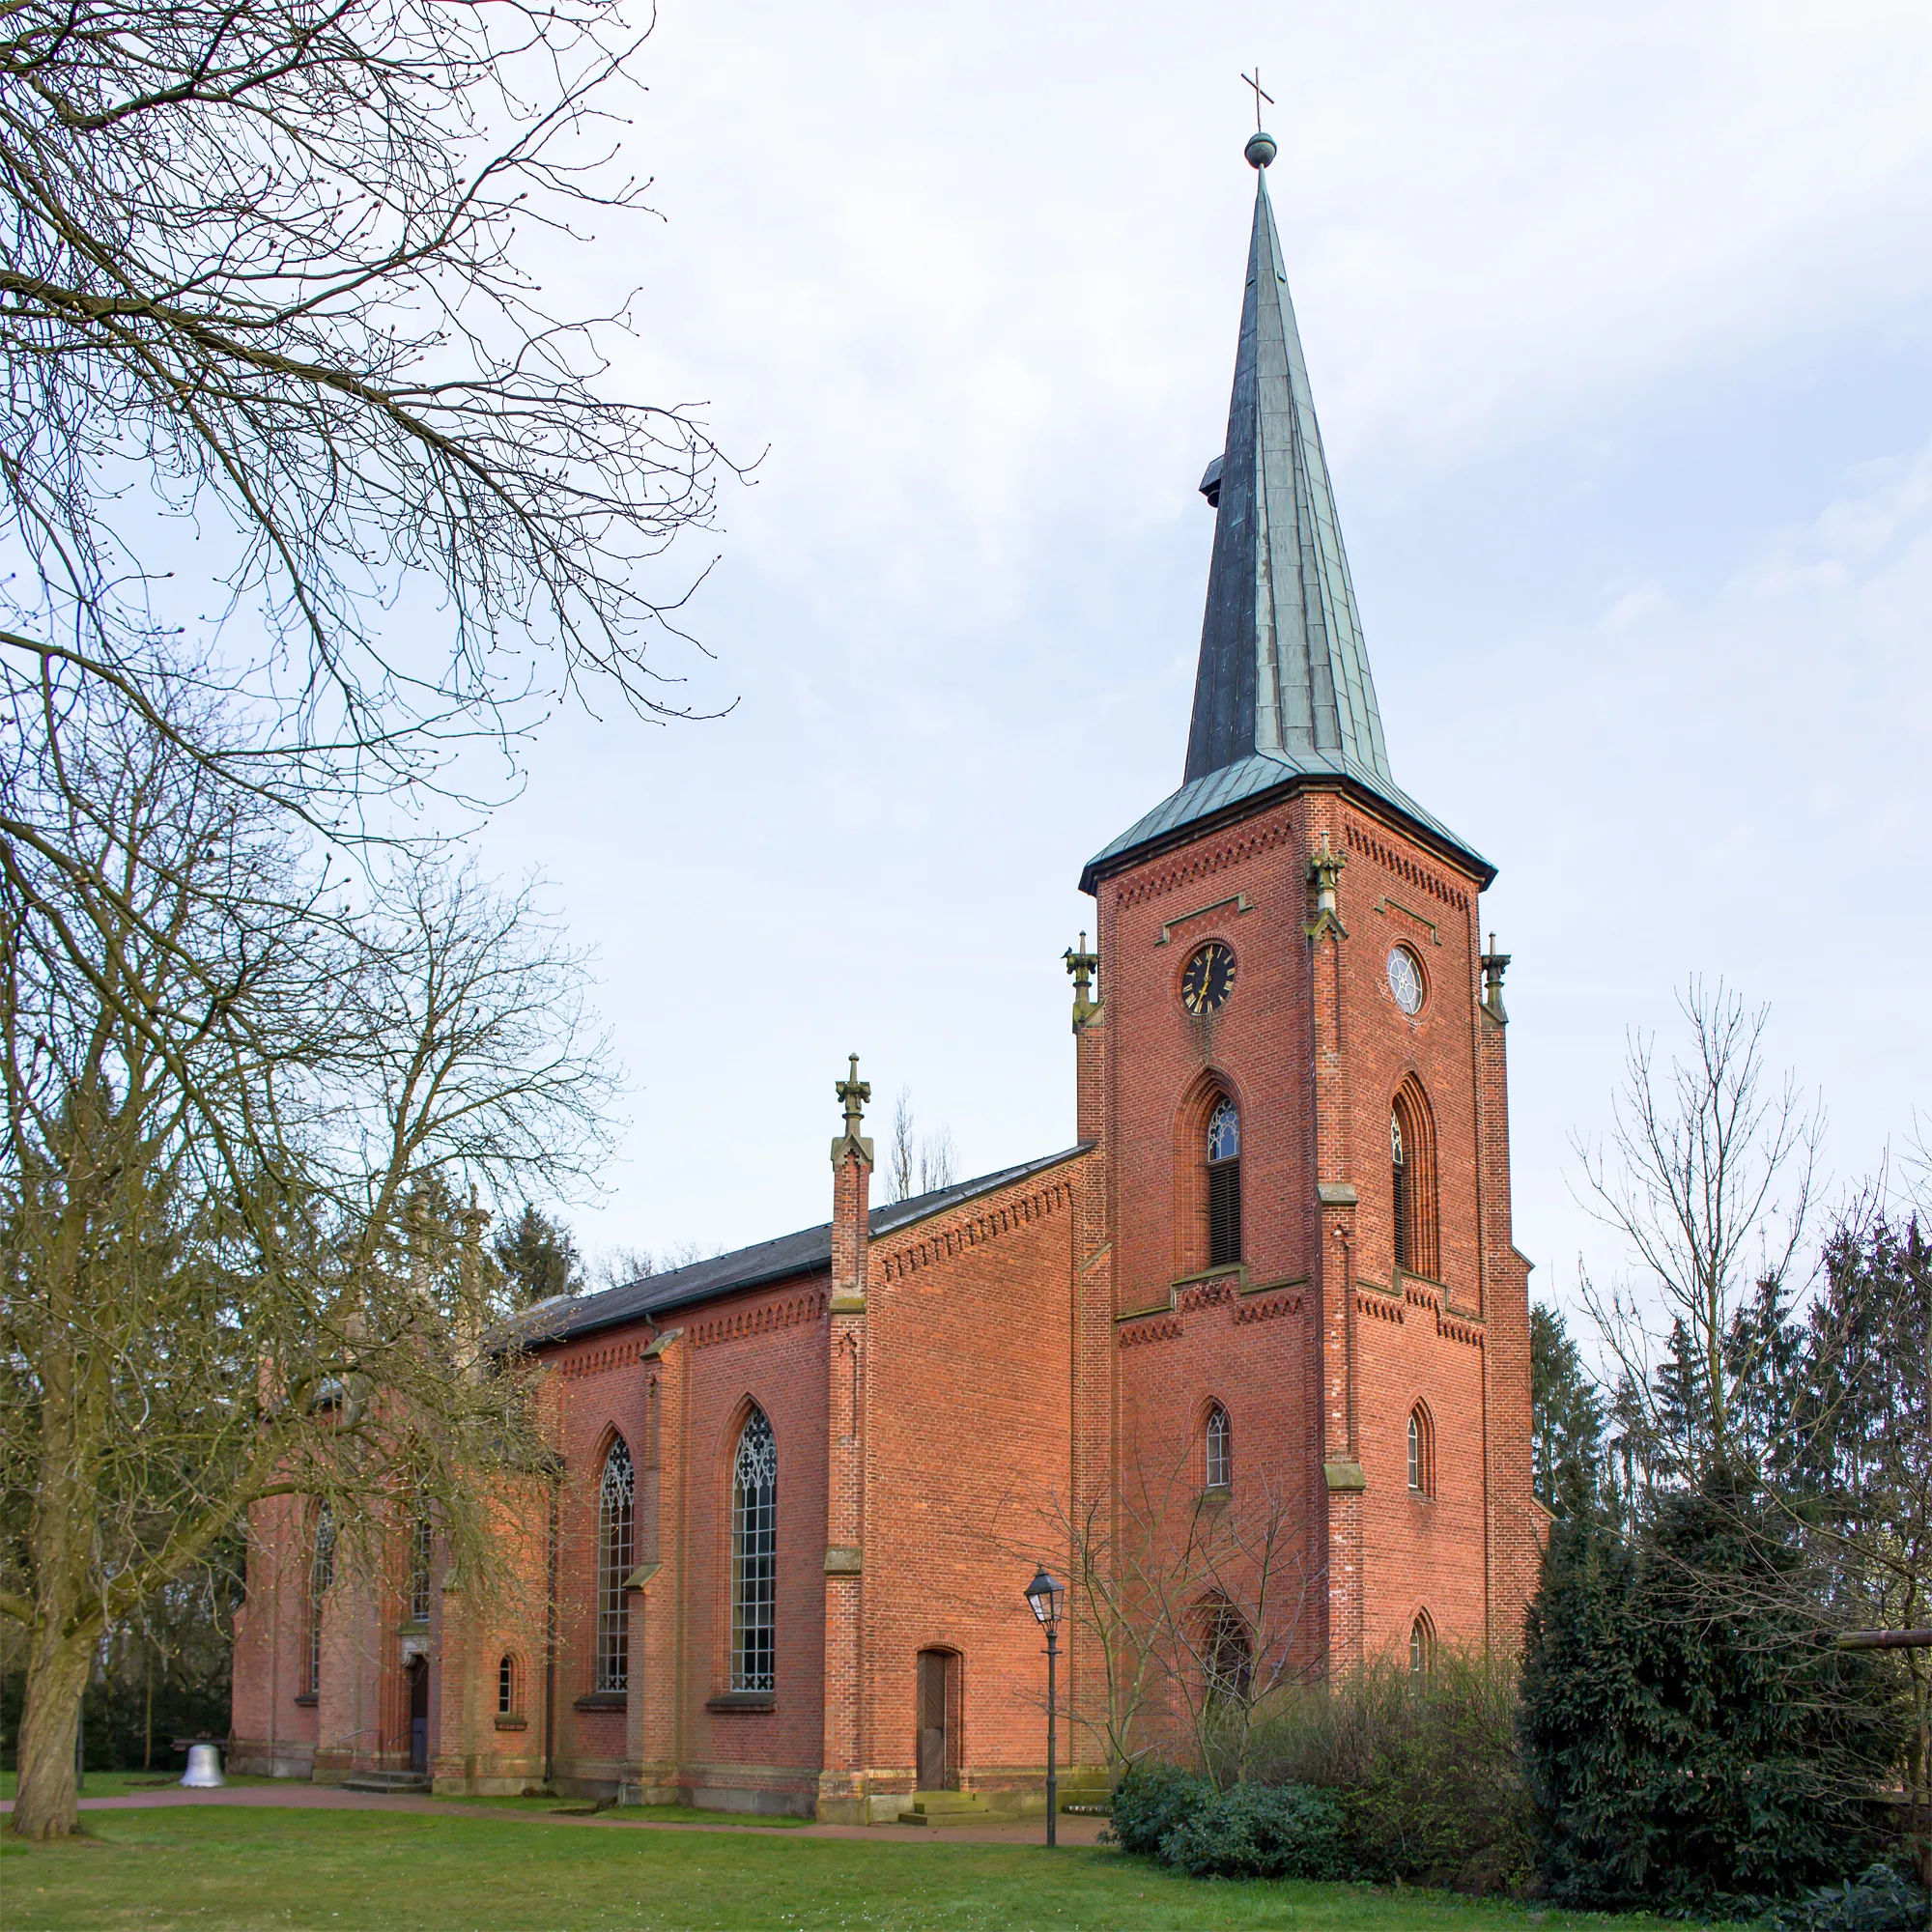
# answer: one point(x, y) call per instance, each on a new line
point(1619, 323)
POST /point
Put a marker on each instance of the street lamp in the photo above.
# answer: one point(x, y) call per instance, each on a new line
point(1043, 1596)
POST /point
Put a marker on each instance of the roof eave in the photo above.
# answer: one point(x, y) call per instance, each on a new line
point(1173, 837)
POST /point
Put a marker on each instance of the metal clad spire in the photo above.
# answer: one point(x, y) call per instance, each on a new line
point(1283, 668)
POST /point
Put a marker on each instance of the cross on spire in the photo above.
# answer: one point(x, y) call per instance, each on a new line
point(854, 1093)
point(1254, 80)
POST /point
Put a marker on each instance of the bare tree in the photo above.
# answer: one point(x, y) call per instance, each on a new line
point(226, 1095)
point(1194, 1605)
point(270, 262)
point(917, 1164)
point(1707, 1178)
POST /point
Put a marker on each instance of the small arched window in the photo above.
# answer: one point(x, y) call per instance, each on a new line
point(616, 1541)
point(1224, 1185)
point(1421, 1453)
point(1420, 1649)
point(1220, 1449)
point(320, 1575)
point(755, 1522)
point(508, 1689)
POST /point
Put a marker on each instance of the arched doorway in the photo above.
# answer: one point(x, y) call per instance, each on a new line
point(419, 1682)
point(938, 1730)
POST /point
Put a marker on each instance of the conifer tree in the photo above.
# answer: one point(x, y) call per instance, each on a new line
point(1693, 1739)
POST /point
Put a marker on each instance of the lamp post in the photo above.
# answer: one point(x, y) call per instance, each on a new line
point(1043, 1596)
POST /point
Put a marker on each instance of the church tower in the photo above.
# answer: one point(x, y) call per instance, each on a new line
point(1296, 1069)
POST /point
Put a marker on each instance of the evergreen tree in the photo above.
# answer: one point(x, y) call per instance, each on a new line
point(539, 1259)
point(1693, 1739)
point(1567, 1417)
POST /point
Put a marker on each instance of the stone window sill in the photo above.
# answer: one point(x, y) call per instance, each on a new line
point(1217, 1492)
point(308, 1700)
point(505, 1723)
point(743, 1700)
point(601, 1700)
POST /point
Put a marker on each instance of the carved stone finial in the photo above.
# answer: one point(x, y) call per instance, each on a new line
point(1082, 966)
point(1494, 965)
point(1325, 870)
point(854, 1093)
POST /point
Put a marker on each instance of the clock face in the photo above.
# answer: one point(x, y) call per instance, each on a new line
point(1209, 979)
point(1406, 980)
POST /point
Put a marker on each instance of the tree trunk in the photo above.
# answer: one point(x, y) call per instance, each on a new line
point(57, 1671)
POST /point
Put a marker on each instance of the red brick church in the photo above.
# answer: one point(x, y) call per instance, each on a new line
point(806, 1484)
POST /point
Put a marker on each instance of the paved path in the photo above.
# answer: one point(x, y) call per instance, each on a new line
point(296, 1797)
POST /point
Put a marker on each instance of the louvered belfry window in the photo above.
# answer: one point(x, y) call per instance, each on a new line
point(1224, 1185)
point(615, 1530)
point(754, 1547)
point(1405, 1244)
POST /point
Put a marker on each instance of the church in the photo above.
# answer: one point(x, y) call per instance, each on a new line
point(1262, 1316)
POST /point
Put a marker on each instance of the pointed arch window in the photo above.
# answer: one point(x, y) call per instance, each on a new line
point(1413, 1183)
point(509, 1693)
point(755, 1522)
point(1420, 1649)
point(320, 1575)
point(422, 1548)
point(1220, 1439)
point(616, 1527)
point(1224, 1185)
point(1228, 1652)
point(1421, 1453)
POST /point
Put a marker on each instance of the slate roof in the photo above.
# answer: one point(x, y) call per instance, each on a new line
point(1236, 789)
point(1282, 694)
point(807, 1252)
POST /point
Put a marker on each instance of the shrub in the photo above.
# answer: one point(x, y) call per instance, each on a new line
point(1260, 1830)
point(1694, 1741)
point(1150, 1800)
point(1428, 1776)
point(1879, 1899)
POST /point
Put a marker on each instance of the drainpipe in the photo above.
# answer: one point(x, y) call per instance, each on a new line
point(549, 1648)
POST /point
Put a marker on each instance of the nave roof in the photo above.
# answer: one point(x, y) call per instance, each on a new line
point(808, 1252)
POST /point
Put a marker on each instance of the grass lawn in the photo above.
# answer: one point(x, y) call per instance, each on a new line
point(655, 1814)
point(221, 1870)
point(119, 1783)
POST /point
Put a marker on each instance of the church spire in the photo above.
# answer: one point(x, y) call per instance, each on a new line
point(1283, 668)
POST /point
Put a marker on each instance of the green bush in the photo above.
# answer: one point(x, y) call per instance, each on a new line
point(1260, 1830)
point(1694, 1743)
point(1428, 1774)
point(1879, 1899)
point(1150, 1800)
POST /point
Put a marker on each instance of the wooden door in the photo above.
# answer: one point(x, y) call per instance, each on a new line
point(419, 1715)
point(936, 1679)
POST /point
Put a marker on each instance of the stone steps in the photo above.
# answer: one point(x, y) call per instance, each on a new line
point(389, 1783)
point(939, 1810)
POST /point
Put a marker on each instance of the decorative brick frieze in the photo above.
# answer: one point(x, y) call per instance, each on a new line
point(953, 1239)
point(1403, 867)
point(762, 1320)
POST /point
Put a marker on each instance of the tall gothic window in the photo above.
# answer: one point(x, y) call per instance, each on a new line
point(422, 1546)
point(755, 1522)
point(1220, 1449)
point(616, 1529)
point(507, 1688)
point(1224, 1185)
point(320, 1575)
